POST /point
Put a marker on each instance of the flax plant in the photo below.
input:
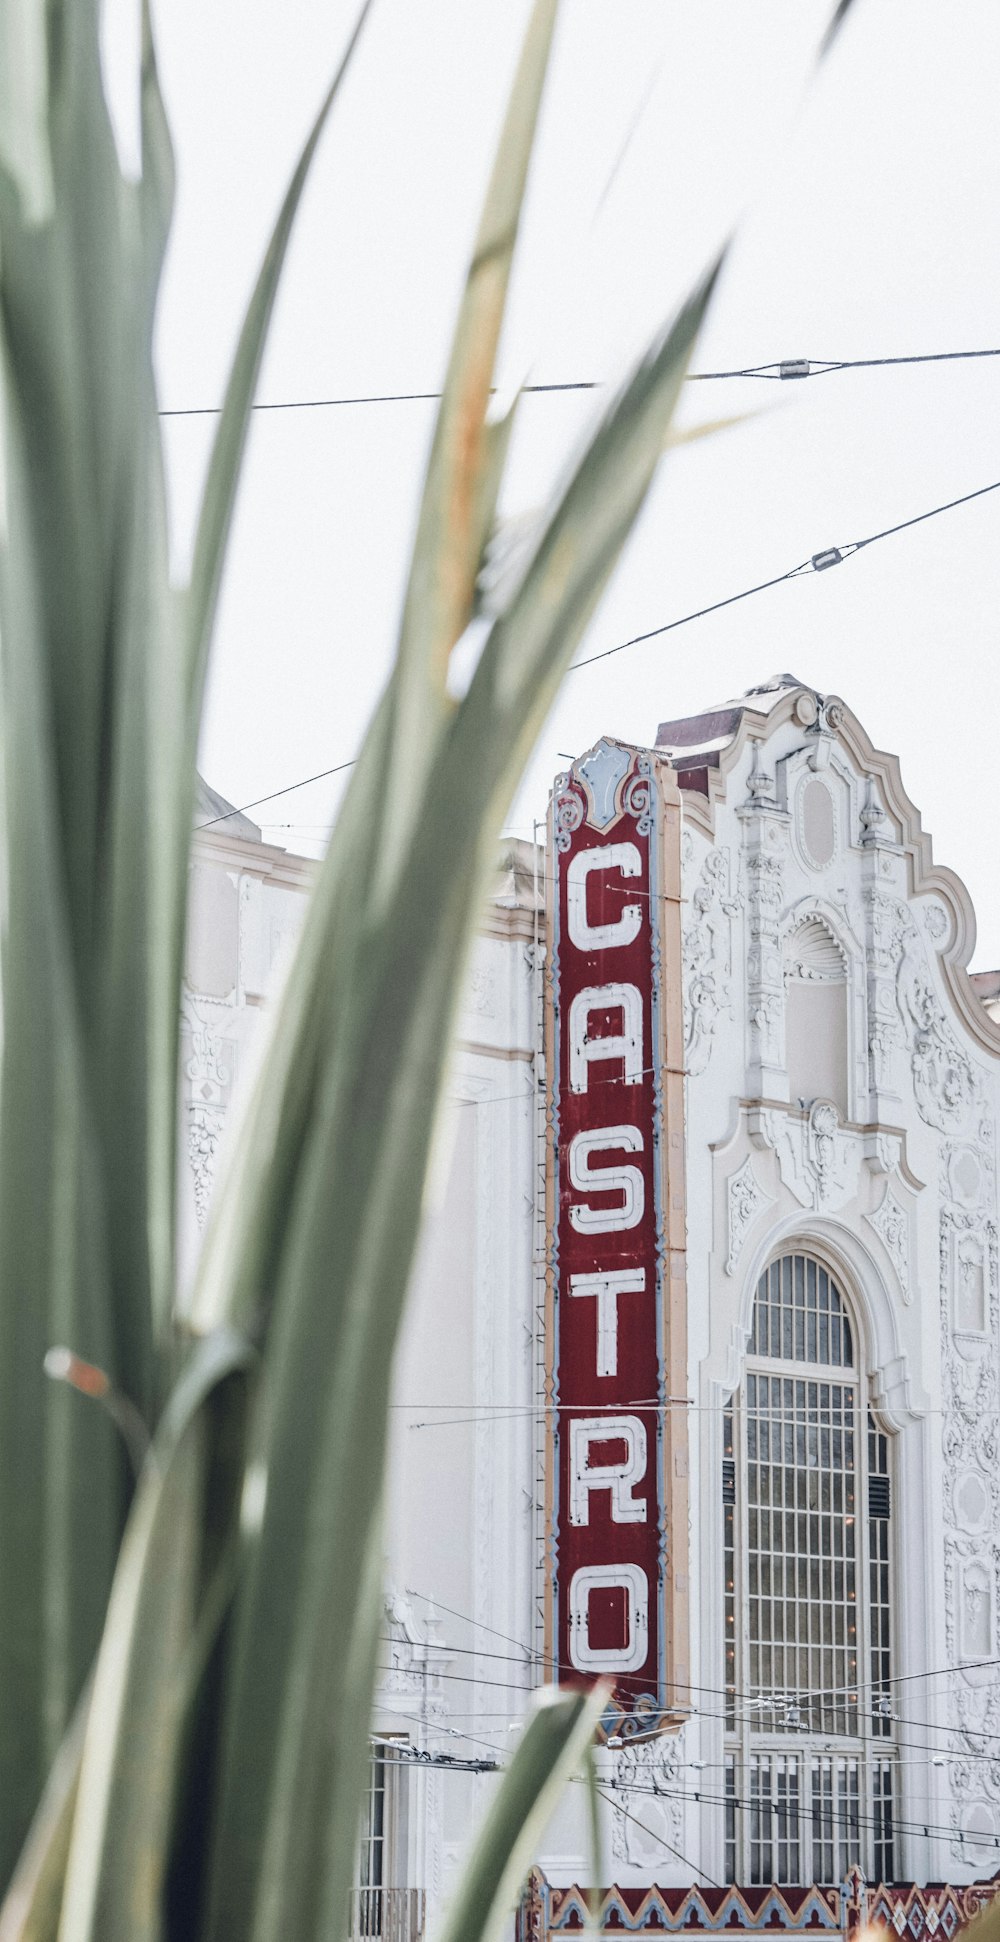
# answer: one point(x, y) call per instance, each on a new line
point(185, 1690)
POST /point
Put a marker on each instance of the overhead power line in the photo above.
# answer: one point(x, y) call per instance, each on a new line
point(781, 370)
point(627, 1815)
point(817, 563)
point(275, 793)
point(824, 367)
point(848, 1817)
point(532, 1657)
point(370, 398)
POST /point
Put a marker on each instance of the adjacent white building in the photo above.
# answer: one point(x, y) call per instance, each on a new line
point(843, 1084)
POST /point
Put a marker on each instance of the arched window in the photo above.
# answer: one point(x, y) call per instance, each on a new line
point(806, 1507)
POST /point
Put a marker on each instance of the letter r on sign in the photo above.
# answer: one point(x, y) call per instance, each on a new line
point(617, 1477)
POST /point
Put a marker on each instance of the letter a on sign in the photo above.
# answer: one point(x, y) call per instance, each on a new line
point(616, 1547)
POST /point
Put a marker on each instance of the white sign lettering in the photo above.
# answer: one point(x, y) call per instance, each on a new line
point(625, 1180)
point(629, 1578)
point(626, 1044)
point(601, 937)
point(607, 1287)
point(618, 1477)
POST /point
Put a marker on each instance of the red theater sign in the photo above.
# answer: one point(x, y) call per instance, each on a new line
point(617, 1480)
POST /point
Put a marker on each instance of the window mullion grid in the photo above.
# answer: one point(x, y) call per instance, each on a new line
point(804, 1591)
point(880, 1769)
point(746, 1685)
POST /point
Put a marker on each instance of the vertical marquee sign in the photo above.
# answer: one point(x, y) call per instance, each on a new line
point(616, 1582)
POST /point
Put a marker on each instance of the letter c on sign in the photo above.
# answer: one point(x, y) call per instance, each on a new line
point(629, 1578)
point(601, 937)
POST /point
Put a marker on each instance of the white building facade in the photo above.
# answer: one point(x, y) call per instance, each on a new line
point(843, 1328)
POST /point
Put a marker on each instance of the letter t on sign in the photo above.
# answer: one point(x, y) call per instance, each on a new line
point(607, 1287)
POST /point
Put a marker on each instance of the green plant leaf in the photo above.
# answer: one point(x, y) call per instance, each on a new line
point(459, 494)
point(597, 1875)
point(317, 1222)
point(580, 539)
point(24, 135)
point(341, 1120)
point(178, 1547)
point(554, 1743)
point(30, 1911)
point(62, 1483)
point(371, 1025)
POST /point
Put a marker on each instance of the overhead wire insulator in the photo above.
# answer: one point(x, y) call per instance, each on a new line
point(831, 557)
point(794, 367)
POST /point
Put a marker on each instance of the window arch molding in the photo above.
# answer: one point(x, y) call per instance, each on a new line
point(809, 1568)
point(900, 1404)
point(873, 1310)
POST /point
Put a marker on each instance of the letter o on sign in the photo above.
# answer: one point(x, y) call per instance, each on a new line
point(629, 1578)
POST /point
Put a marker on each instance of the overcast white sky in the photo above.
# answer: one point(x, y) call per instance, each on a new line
point(867, 226)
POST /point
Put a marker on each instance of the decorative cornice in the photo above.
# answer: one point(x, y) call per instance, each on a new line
point(924, 876)
point(286, 870)
point(264, 860)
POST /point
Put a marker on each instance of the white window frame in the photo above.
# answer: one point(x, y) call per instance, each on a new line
point(780, 1845)
point(377, 1912)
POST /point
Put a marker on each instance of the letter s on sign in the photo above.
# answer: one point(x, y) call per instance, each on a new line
point(601, 937)
point(625, 1180)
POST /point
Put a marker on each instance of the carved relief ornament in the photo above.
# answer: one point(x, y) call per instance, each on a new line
point(708, 958)
point(745, 1199)
point(891, 1221)
point(208, 1079)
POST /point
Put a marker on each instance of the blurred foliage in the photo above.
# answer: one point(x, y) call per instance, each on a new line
point(184, 1690)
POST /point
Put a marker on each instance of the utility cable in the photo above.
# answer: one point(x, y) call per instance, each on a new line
point(816, 1746)
point(830, 1814)
point(826, 1813)
point(818, 1692)
point(275, 793)
point(781, 370)
point(534, 1658)
point(890, 1750)
point(886, 1747)
point(654, 1835)
point(374, 398)
point(824, 367)
point(538, 1663)
point(818, 563)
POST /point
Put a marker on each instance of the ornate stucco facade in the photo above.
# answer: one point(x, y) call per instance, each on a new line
point(842, 1098)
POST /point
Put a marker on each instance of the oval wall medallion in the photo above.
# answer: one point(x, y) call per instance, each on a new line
point(817, 823)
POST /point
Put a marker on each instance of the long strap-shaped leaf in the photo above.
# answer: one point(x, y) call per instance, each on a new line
point(101, 689)
point(30, 1910)
point(189, 627)
point(177, 1548)
point(468, 448)
point(559, 1731)
point(330, 1187)
point(61, 1487)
